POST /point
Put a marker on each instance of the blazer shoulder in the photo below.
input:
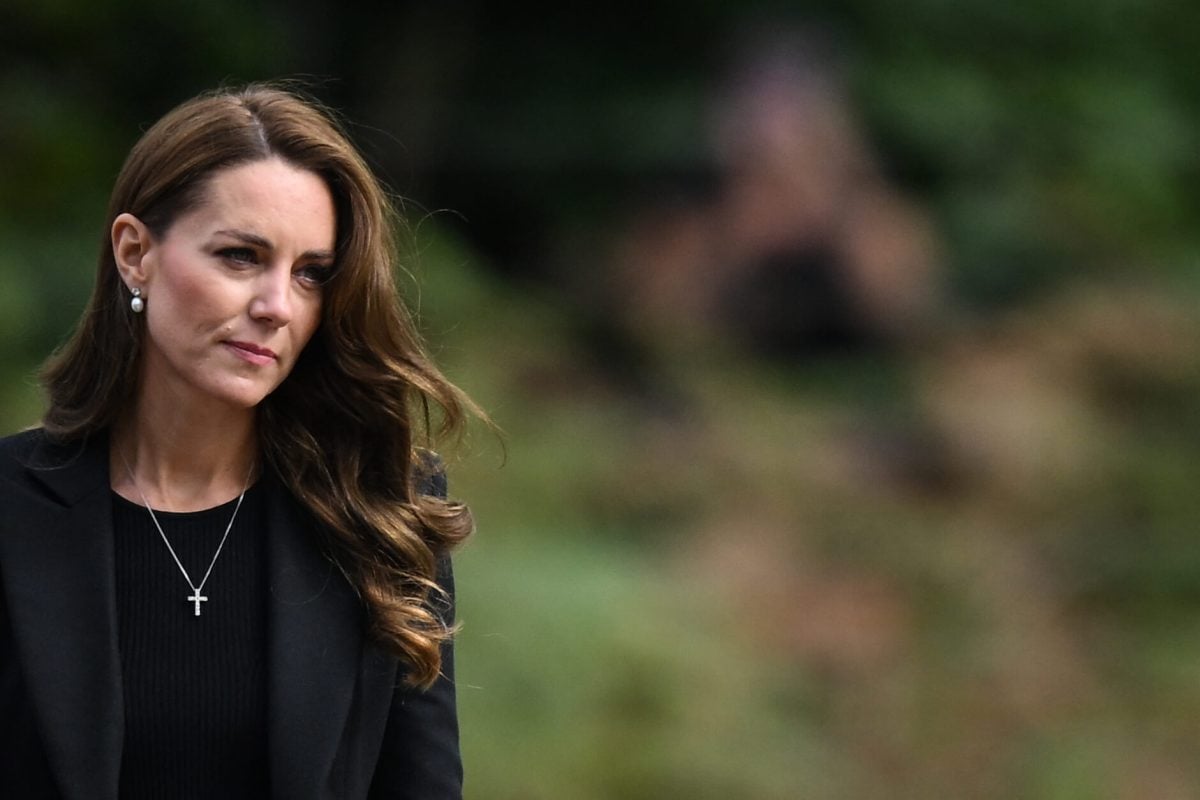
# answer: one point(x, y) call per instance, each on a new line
point(18, 451)
point(35, 460)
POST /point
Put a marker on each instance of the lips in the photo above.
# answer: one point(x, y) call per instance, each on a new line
point(248, 351)
point(253, 348)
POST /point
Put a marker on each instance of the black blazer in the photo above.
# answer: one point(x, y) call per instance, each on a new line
point(340, 723)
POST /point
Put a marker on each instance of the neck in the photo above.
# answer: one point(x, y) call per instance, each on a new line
point(183, 458)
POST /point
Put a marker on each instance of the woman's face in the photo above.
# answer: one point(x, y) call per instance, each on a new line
point(233, 289)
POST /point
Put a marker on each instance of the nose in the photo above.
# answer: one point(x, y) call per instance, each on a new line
point(272, 301)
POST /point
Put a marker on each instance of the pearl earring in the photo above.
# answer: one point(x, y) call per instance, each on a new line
point(137, 303)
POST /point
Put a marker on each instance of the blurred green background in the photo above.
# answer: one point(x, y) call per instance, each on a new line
point(846, 354)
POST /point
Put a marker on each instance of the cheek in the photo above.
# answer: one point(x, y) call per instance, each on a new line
point(305, 323)
point(187, 298)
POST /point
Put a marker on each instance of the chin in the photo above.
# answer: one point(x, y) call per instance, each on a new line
point(242, 397)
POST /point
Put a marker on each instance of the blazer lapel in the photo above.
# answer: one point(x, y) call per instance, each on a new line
point(314, 650)
point(57, 562)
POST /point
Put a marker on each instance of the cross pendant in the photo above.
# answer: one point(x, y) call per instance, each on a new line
point(197, 598)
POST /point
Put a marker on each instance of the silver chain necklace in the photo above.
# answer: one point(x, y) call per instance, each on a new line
point(195, 597)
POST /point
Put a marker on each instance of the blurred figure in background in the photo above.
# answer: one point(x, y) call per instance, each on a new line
point(804, 246)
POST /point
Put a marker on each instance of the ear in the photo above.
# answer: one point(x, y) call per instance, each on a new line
point(131, 243)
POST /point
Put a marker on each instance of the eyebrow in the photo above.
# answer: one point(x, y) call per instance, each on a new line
point(264, 243)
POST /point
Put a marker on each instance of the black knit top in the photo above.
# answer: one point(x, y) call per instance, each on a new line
point(194, 686)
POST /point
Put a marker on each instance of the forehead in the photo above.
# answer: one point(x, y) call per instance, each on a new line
point(271, 198)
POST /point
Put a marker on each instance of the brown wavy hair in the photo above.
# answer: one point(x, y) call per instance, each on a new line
point(346, 429)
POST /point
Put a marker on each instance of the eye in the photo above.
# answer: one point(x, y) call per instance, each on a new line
point(239, 255)
point(315, 274)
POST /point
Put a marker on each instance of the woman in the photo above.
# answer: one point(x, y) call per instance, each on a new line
point(224, 558)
